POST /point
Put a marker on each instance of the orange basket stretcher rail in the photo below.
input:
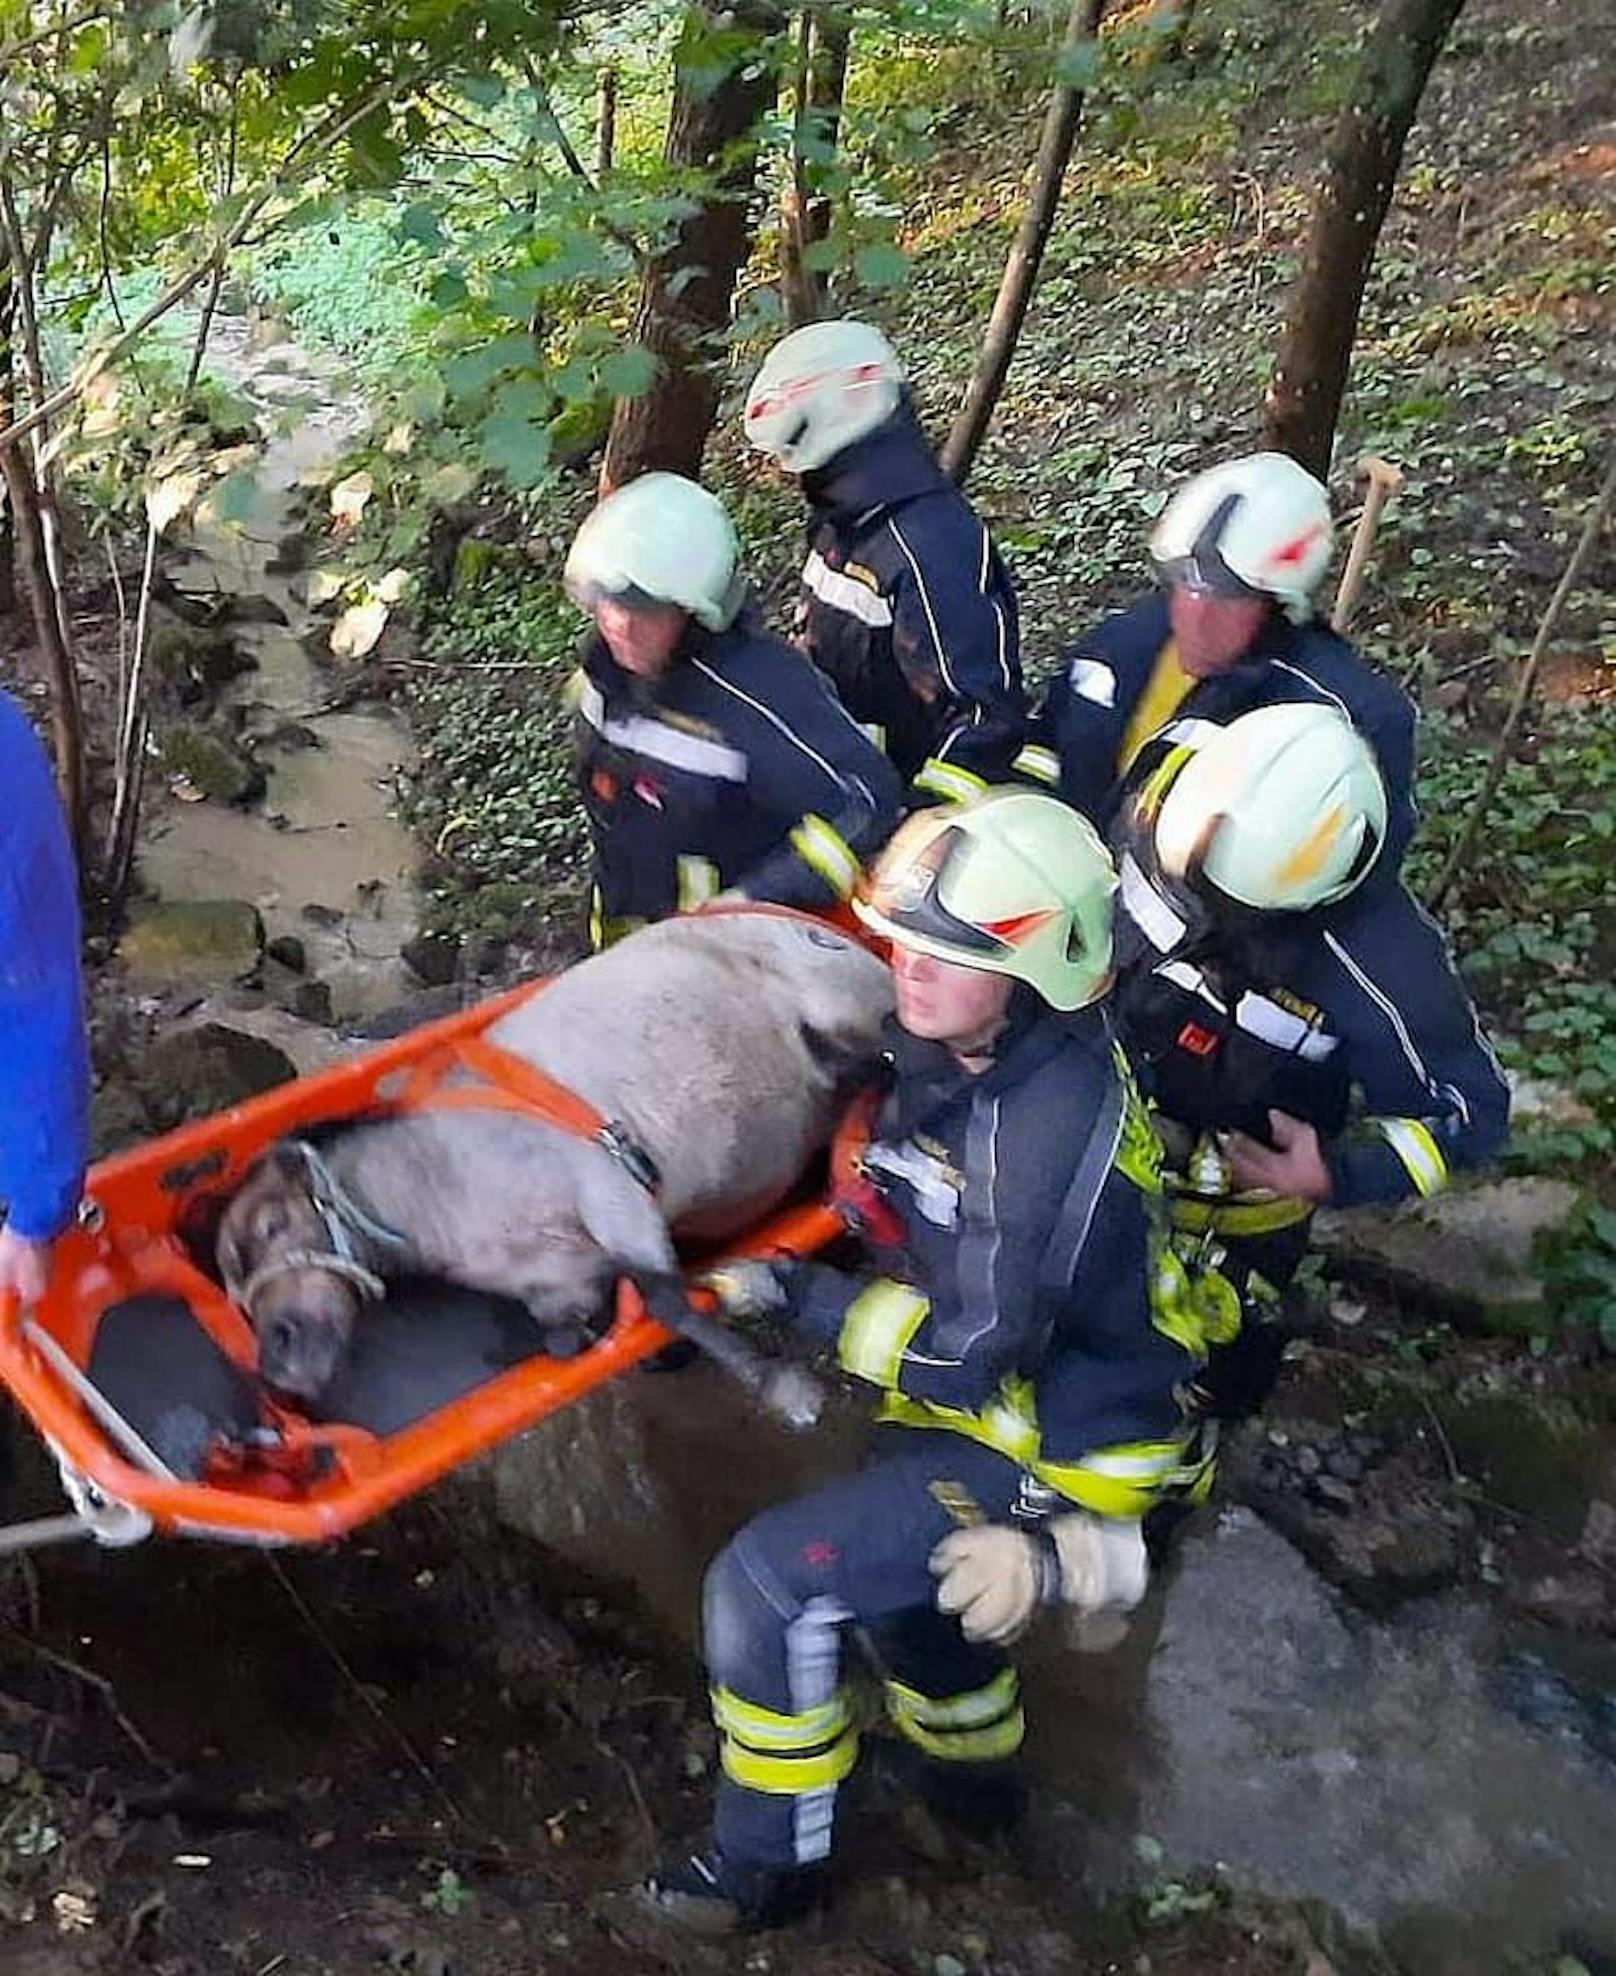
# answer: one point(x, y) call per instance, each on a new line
point(313, 1482)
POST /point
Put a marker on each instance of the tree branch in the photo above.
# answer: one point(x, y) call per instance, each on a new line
point(1505, 748)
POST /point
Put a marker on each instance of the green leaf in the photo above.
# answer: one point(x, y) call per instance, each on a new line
point(881, 265)
point(449, 483)
point(483, 90)
point(474, 370)
point(629, 372)
point(421, 225)
point(448, 290)
point(524, 398)
point(516, 448)
point(378, 158)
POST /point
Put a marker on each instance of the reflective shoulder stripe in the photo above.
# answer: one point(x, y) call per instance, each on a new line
point(641, 735)
point(877, 1329)
point(824, 850)
point(1258, 1016)
point(1039, 765)
point(1186, 975)
point(1146, 907)
point(1090, 679)
point(954, 785)
point(1412, 1142)
point(845, 593)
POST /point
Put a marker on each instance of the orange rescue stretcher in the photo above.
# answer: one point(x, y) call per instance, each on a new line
point(292, 1480)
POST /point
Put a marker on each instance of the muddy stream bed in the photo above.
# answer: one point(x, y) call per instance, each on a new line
point(445, 1742)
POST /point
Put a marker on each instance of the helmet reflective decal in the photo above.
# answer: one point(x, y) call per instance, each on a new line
point(1308, 857)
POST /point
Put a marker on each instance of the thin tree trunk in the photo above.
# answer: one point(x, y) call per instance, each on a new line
point(799, 295)
point(686, 290)
point(827, 86)
point(606, 126)
point(8, 538)
point(1026, 256)
point(1360, 175)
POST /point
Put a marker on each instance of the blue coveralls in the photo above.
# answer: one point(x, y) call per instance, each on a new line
point(44, 1054)
point(908, 609)
point(1022, 1369)
point(734, 771)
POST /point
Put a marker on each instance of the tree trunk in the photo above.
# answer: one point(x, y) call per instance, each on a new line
point(8, 538)
point(686, 291)
point(1021, 269)
point(799, 292)
point(1360, 174)
point(606, 124)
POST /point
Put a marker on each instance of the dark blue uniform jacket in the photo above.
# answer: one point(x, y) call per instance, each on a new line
point(1024, 1196)
point(1079, 729)
point(736, 771)
point(908, 609)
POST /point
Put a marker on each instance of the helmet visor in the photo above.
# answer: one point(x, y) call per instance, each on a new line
point(903, 897)
point(590, 592)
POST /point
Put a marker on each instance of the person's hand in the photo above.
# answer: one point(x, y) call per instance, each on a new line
point(24, 1266)
point(995, 1577)
point(1293, 1165)
point(748, 1288)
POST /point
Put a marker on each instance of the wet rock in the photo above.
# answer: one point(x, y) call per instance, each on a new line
point(195, 661)
point(433, 958)
point(1531, 1454)
point(404, 1016)
point(1468, 1252)
point(117, 1118)
point(193, 1072)
point(318, 915)
point(192, 942)
point(311, 1001)
point(210, 763)
point(1574, 1601)
point(1598, 1540)
point(289, 951)
point(247, 608)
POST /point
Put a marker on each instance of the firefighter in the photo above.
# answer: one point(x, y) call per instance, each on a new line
point(1239, 553)
point(711, 756)
point(905, 604)
point(1301, 1029)
point(1029, 1379)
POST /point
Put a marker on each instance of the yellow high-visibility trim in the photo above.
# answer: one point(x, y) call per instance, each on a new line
point(1238, 1217)
point(698, 881)
point(877, 1329)
point(1038, 765)
point(827, 852)
point(974, 1709)
point(1414, 1145)
point(1139, 1156)
point(1122, 1480)
point(987, 1742)
point(766, 1728)
point(948, 780)
point(789, 1776)
point(605, 931)
point(1168, 684)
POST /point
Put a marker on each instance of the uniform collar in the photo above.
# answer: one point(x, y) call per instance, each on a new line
point(895, 463)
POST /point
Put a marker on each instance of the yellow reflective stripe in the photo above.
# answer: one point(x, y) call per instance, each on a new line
point(948, 780)
point(603, 930)
point(1239, 1217)
point(1040, 764)
point(765, 1728)
point(972, 1710)
point(877, 1329)
point(1417, 1149)
point(789, 1776)
point(1139, 1153)
point(698, 881)
point(827, 852)
point(1122, 1481)
point(997, 1739)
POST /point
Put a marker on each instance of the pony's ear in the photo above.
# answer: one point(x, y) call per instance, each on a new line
point(229, 1253)
point(286, 1157)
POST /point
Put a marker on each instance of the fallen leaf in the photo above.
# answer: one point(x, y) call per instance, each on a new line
point(355, 633)
point(349, 499)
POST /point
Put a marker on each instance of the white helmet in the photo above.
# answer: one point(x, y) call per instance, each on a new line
point(821, 388)
point(1258, 526)
point(659, 540)
point(1281, 810)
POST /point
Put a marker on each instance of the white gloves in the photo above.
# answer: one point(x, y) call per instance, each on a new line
point(995, 1577)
